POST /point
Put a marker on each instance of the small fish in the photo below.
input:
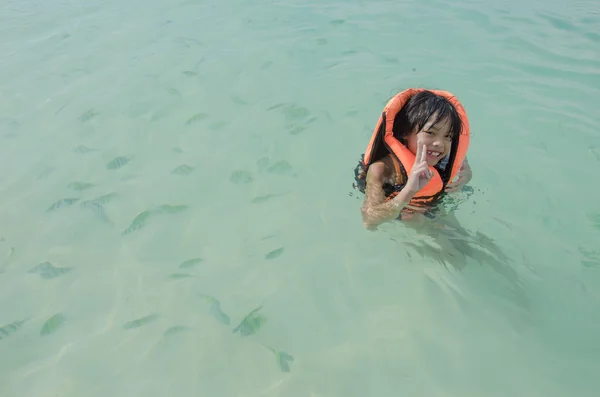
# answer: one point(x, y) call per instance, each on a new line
point(262, 199)
point(195, 118)
point(9, 329)
point(105, 198)
point(48, 271)
point(500, 221)
point(183, 169)
point(294, 113)
point(282, 358)
point(46, 172)
point(589, 264)
point(590, 253)
point(262, 163)
point(251, 323)
point(297, 129)
point(174, 92)
point(52, 324)
point(83, 149)
point(595, 220)
point(240, 177)
point(98, 209)
point(171, 209)
point(218, 126)
point(281, 167)
point(90, 114)
point(175, 330)
point(117, 162)
point(80, 186)
point(266, 65)
point(200, 62)
point(215, 309)
point(276, 106)
point(139, 221)
point(189, 73)
point(60, 109)
point(237, 100)
point(142, 218)
point(141, 321)
point(178, 276)
point(62, 203)
point(275, 253)
point(190, 263)
point(218, 314)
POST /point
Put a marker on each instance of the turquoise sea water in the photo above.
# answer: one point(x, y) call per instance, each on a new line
point(170, 167)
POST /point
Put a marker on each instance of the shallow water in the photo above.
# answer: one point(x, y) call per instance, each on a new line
point(168, 168)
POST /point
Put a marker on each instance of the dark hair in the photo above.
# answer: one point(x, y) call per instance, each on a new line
point(417, 111)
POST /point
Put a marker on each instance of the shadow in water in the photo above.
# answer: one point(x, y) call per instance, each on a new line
point(456, 244)
point(443, 240)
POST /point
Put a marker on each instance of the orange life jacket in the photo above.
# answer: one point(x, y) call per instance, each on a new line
point(383, 142)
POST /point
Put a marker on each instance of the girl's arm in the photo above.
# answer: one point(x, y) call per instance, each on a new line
point(375, 209)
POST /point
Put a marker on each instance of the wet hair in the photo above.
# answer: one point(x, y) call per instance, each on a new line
point(419, 109)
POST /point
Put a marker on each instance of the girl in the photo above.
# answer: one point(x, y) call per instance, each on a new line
point(418, 147)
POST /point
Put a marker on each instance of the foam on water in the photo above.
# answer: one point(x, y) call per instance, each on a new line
point(170, 167)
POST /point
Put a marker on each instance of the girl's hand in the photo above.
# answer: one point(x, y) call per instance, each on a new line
point(464, 176)
point(420, 174)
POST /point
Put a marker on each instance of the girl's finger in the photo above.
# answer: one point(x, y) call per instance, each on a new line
point(424, 153)
point(419, 153)
point(419, 170)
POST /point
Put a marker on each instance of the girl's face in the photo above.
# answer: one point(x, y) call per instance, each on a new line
point(436, 138)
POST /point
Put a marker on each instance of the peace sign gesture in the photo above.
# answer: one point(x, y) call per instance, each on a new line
point(420, 173)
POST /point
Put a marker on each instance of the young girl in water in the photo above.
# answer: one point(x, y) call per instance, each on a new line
point(417, 154)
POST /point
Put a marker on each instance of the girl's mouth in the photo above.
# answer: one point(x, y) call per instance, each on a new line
point(434, 154)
